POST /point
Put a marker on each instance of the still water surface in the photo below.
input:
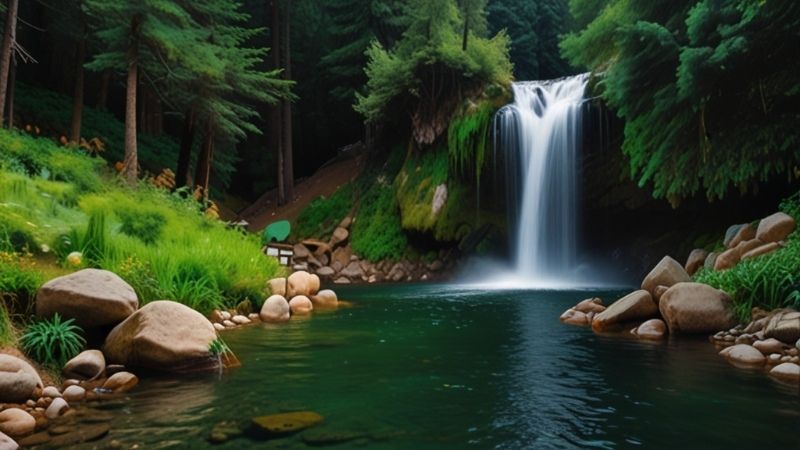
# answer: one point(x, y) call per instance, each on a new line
point(438, 367)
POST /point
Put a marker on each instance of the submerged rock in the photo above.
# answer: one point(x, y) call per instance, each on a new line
point(636, 306)
point(224, 431)
point(575, 317)
point(696, 308)
point(18, 380)
point(594, 305)
point(163, 335)
point(325, 298)
point(121, 382)
point(84, 433)
point(652, 329)
point(92, 297)
point(287, 423)
point(786, 371)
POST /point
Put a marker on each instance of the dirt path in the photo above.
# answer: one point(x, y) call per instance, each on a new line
point(324, 182)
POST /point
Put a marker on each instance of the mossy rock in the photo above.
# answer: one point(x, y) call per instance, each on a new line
point(287, 423)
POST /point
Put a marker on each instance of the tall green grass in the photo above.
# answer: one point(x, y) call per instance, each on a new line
point(161, 243)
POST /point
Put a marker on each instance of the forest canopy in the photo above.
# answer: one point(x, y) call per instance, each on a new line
point(708, 90)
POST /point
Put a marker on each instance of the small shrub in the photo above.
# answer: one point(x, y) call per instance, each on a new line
point(53, 342)
point(18, 285)
point(322, 215)
point(377, 233)
point(144, 225)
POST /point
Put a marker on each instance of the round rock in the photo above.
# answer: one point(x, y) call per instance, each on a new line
point(121, 382)
point(786, 371)
point(275, 309)
point(88, 365)
point(74, 393)
point(16, 422)
point(767, 346)
point(56, 408)
point(301, 305)
point(18, 380)
point(325, 298)
point(745, 354)
point(162, 335)
point(652, 329)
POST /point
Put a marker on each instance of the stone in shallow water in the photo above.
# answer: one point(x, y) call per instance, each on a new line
point(224, 431)
point(85, 433)
point(286, 423)
point(786, 371)
point(745, 354)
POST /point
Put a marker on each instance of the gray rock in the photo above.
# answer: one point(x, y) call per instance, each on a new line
point(18, 380)
point(88, 365)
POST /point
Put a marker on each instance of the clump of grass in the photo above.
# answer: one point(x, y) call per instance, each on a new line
point(145, 225)
point(18, 285)
point(53, 342)
point(7, 335)
point(767, 281)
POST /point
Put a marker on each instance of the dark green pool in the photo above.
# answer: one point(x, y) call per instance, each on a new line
point(435, 367)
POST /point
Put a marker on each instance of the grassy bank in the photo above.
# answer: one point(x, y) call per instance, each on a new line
point(55, 201)
point(768, 282)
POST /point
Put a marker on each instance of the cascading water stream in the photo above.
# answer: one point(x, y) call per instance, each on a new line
point(539, 136)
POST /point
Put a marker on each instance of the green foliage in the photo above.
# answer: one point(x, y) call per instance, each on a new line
point(706, 88)
point(429, 66)
point(218, 347)
point(18, 285)
point(41, 158)
point(323, 214)
point(53, 342)
point(143, 224)
point(7, 334)
point(52, 111)
point(535, 29)
point(193, 259)
point(468, 137)
point(377, 234)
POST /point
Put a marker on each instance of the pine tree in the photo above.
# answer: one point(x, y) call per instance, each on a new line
point(9, 41)
point(140, 36)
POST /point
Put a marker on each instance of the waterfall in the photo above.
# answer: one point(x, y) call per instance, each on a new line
point(538, 137)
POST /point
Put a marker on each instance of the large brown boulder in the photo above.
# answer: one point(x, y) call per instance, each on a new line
point(696, 308)
point(667, 272)
point(695, 261)
point(18, 380)
point(652, 329)
point(92, 297)
point(634, 307)
point(776, 227)
point(162, 335)
point(325, 298)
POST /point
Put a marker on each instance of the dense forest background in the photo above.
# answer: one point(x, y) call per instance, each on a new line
point(694, 101)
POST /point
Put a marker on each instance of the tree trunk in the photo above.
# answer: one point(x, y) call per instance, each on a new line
point(77, 98)
point(203, 172)
point(9, 37)
point(275, 111)
point(12, 79)
point(185, 154)
point(131, 163)
point(288, 163)
point(102, 96)
point(466, 29)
